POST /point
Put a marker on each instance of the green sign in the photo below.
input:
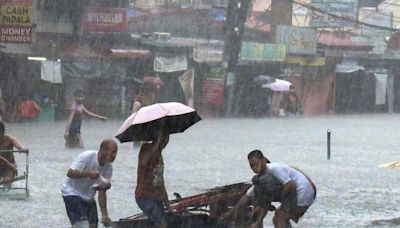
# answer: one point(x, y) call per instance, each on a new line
point(262, 52)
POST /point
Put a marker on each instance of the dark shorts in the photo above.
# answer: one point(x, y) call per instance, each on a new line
point(153, 209)
point(80, 210)
point(289, 206)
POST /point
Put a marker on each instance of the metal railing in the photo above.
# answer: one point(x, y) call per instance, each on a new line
point(22, 177)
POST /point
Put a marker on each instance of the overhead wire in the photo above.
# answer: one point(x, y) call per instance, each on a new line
point(356, 21)
point(390, 4)
point(372, 13)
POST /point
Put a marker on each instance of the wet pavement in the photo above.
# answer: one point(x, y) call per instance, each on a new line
point(352, 190)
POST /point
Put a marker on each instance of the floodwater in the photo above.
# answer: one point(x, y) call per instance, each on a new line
point(352, 190)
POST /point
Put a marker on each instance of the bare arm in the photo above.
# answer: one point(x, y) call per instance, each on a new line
point(244, 200)
point(37, 107)
point(164, 196)
point(17, 144)
point(94, 115)
point(136, 106)
point(259, 213)
point(103, 208)
point(72, 173)
point(288, 187)
point(5, 163)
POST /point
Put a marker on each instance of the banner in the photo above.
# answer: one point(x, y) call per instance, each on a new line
point(102, 19)
point(16, 19)
point(299, 40)
point(345, 12)
point(170, 63)
point(187, 82)
point(262, 52)
point(213, 91)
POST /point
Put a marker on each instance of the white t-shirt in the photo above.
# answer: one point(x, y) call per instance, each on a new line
point(285, 173)
point(82, 187)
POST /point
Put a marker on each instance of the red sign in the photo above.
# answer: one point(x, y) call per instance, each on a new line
point(16, 19)
point(100, 19)
point(213, 91)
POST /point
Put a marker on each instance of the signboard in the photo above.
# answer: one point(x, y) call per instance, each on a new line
point(377, 36)
point(102, 19)
point(299, 40)
point(170, 63)
point(262, 52)
point(213, 91)
point(380, 18)
point(213, 86)
point(16, 19)
point(345, 10)
point(305, 61)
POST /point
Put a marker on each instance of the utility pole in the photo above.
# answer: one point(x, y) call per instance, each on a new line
point(233, 32)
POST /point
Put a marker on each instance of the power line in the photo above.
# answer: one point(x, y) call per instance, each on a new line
point(371, 13)
point(342, 17)
point(390, 4)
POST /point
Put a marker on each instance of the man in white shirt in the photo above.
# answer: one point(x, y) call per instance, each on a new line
point(90, 172)
point(297, 194)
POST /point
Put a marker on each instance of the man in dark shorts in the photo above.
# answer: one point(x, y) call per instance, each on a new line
point(8, 166)
point(151, 195)
point(89, 173)
point(296, 195)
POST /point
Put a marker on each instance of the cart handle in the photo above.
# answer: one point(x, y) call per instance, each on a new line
point(15, 151)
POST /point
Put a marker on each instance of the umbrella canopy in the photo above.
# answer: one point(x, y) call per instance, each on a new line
point(279, 85)
point(263, 79)
point(148, 121)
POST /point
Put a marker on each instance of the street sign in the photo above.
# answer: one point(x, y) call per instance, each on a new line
point(16, 19)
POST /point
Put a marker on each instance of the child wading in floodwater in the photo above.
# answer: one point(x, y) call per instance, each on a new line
point(72, 132)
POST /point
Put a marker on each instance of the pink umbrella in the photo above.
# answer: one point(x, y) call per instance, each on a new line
point(153, 81)
point(146, 124)
point(278, 85)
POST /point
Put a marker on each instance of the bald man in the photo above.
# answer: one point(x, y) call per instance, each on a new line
point(90, 172)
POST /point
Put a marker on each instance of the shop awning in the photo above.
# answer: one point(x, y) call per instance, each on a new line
point(77, 50)
point(348, 66)
point(123, 53)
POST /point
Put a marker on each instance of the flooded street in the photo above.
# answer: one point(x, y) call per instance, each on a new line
point(352, 190)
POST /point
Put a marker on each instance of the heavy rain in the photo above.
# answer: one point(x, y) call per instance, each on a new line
point(199, 113)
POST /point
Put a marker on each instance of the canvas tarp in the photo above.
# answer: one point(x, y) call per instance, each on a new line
point(95, 68)
point(380, 88)
point(187, 82)
point(170, 63)
point(51, 71)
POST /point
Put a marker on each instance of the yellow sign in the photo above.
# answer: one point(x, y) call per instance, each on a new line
point(305, 61)
point(16, 15)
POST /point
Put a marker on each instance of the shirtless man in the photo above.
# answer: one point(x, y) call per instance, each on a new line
point(8, 166)
point(151, 195)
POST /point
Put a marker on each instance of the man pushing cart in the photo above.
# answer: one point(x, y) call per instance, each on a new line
point(8, 165)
